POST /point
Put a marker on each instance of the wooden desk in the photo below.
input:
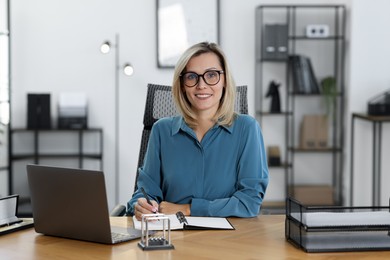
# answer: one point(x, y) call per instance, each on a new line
point(255, 238)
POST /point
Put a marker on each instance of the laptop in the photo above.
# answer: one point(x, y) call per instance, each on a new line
point(72, 203)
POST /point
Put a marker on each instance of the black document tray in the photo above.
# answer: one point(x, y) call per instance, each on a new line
point(337, 229)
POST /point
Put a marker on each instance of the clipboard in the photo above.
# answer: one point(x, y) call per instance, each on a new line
point(179, 221)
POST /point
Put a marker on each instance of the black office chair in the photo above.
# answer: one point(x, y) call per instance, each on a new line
point(159, 104)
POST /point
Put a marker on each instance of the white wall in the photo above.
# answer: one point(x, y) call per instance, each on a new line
point(369, 76)
point(55, 48)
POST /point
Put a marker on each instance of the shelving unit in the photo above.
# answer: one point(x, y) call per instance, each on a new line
point(80, 154)
point(42, 146)
point(5, 87)
point(306, 173)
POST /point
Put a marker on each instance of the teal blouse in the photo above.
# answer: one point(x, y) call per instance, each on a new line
point(226, 174)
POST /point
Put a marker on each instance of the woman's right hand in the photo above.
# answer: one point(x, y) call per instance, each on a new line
point(143, 207)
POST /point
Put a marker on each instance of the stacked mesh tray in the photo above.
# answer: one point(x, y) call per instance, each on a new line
point(333, 229)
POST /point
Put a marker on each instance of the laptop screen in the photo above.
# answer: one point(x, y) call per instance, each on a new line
point(69, 203)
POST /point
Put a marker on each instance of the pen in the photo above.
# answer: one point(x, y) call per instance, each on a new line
point(180, 216)
point(147, 198)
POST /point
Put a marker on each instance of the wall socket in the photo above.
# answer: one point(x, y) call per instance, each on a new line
point(317, 30)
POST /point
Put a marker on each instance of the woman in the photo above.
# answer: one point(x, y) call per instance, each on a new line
point(209, 161)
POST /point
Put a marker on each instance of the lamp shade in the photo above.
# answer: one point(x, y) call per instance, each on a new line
point(128, 69)
point(105, 47)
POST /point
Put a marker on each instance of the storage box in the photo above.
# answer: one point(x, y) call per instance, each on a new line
point(314, 132)
point(275, 42)
point(38, 111)
point(274, 156)
point(333, 229)
point(314, 194)
point(72, 111)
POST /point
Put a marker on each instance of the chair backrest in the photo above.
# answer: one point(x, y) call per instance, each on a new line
point(160, 103)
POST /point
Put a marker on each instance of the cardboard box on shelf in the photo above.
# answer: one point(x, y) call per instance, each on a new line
point(314, 132)
point(314, 194)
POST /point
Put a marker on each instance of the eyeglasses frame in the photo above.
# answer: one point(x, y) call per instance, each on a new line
point(202, 75)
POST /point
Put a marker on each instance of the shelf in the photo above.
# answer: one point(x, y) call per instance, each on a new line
point(372, 118)
point(296, 103)
point(75, 152)
point(315, 150)
point(273, 60)
point(266, 6)
point(339, 94)
point(306, 94)
point(56, 130)
point(273, 114)
point(32, 156)
point(282, 166)
point(301, 37)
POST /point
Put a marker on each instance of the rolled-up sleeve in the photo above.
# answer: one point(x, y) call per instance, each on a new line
point(149, 176)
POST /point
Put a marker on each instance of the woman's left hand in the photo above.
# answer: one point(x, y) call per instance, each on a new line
point(171, 208)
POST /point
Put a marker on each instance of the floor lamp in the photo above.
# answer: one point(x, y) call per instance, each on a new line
point(128, 70)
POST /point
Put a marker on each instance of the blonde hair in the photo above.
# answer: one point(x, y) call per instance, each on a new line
point(225, 114)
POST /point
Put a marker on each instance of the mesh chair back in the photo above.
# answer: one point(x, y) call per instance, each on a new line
point(241, 102)
point(160, 103)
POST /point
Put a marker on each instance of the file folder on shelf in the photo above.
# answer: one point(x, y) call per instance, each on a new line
point(275, 42)
point(337, 229)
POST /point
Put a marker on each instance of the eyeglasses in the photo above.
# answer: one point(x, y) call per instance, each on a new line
point(210, 77)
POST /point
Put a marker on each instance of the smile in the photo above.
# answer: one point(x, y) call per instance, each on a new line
point(203, 95)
